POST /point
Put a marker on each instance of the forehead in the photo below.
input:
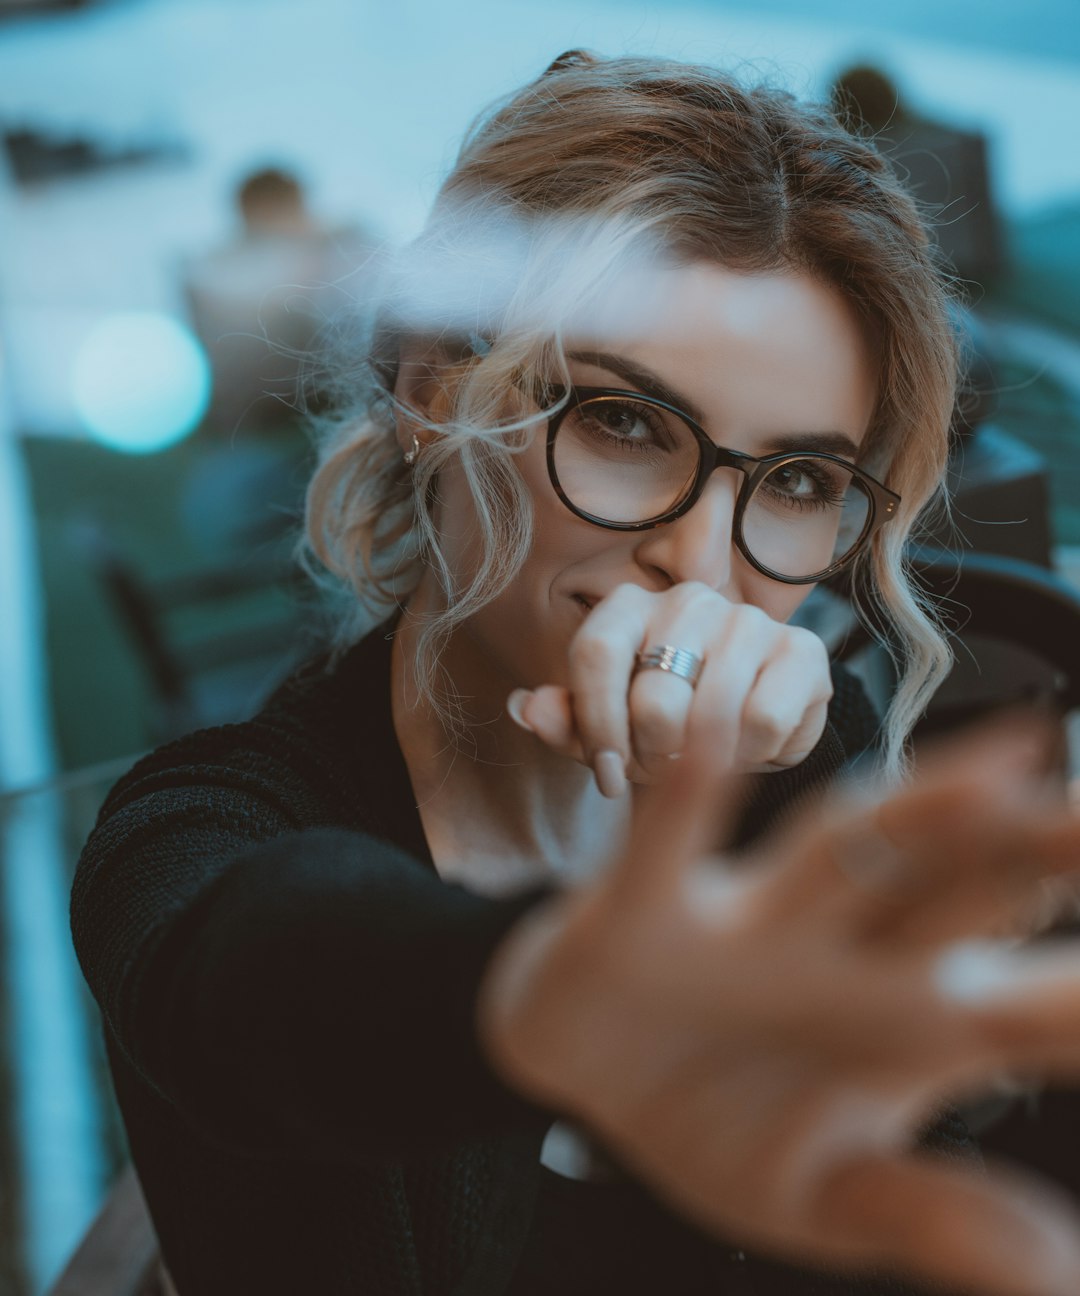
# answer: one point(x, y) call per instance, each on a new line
point(771, 352)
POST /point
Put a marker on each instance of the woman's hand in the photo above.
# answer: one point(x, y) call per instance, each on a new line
point(761, 700)
point(761, 1043)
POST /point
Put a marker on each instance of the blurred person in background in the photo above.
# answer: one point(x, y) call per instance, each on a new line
point(268, 307)
point(510, 948)
point(946, 168)
point(260, 303)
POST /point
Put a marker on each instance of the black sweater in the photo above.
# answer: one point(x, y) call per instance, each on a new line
point(287, 989)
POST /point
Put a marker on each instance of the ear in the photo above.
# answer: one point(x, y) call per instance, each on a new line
point(423, 391)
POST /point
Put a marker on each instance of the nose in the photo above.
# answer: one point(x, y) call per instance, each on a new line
point(699, 546)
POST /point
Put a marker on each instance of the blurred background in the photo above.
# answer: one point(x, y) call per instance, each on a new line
point(193, 194)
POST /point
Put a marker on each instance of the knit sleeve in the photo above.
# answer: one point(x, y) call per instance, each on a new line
point(290, 990)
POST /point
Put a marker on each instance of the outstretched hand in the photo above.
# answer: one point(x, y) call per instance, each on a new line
point(761, 1041)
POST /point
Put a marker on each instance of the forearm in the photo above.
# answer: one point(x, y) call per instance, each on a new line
point(317, 998)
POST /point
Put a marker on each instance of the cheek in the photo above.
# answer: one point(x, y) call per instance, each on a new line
point(559, 539)
point(456, 525)
point(557, 536)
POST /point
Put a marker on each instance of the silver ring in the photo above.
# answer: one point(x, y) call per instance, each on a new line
point(676, 661)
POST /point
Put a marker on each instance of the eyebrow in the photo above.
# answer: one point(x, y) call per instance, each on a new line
point(649, 384)
point(834, 443)
point(643, 379)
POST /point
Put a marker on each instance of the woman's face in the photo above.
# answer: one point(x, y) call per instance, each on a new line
point(761, 361)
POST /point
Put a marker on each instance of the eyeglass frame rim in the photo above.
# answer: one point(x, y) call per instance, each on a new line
point(883, 501)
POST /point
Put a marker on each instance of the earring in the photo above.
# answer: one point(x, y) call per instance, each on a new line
point(412, 452)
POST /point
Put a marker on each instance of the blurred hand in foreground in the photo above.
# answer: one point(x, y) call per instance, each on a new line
point(762, 1041)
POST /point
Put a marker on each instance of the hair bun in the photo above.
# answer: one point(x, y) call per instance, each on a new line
point(569, 59)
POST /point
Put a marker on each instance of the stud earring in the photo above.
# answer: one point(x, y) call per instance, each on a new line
point(412, 452)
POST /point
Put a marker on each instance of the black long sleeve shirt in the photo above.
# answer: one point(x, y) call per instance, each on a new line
point(288, 992)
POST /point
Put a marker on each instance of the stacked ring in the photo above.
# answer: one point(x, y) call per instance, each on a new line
point(676, 661)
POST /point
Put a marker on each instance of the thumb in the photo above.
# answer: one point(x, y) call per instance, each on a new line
point(548, 713)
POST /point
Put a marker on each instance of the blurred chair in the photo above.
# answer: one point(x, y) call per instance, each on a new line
point(1015, 628)
point(250, 630)
point(1000, 496)
point(998, 485)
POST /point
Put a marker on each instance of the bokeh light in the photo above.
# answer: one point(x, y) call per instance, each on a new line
point(141, 382)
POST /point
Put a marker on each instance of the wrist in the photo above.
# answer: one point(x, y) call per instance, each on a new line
point(559, 1015)
point(514, 1003)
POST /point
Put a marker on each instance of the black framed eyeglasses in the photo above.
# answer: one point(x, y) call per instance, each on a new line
point(631, 462)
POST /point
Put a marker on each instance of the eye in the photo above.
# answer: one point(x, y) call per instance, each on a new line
point(810, 483)
point(793, 479)
point(621, 419)
point(628, 423)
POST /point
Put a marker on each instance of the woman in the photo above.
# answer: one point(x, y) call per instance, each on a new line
point(668, 353)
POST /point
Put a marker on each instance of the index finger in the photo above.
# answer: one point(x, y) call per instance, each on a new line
point(602, 657)
point(1024, 1001)
point(835, 860)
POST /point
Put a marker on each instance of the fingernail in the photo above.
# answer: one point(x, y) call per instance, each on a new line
point(610, 774)
point(973, 972)
point(515, 708)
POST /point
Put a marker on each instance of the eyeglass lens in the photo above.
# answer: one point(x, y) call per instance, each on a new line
point(627, 461)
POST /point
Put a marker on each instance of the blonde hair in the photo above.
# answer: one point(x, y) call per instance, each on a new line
point(597, 165)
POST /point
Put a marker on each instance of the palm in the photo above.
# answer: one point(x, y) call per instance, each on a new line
point(762, 1044)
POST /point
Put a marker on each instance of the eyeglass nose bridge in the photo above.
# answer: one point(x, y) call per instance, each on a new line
point(713, 457)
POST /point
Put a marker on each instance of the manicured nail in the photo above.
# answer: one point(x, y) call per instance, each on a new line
point(515, 708)
point(610, 774)
point(973, 972)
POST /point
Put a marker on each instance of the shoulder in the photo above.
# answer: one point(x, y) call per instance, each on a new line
point(320, 756)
